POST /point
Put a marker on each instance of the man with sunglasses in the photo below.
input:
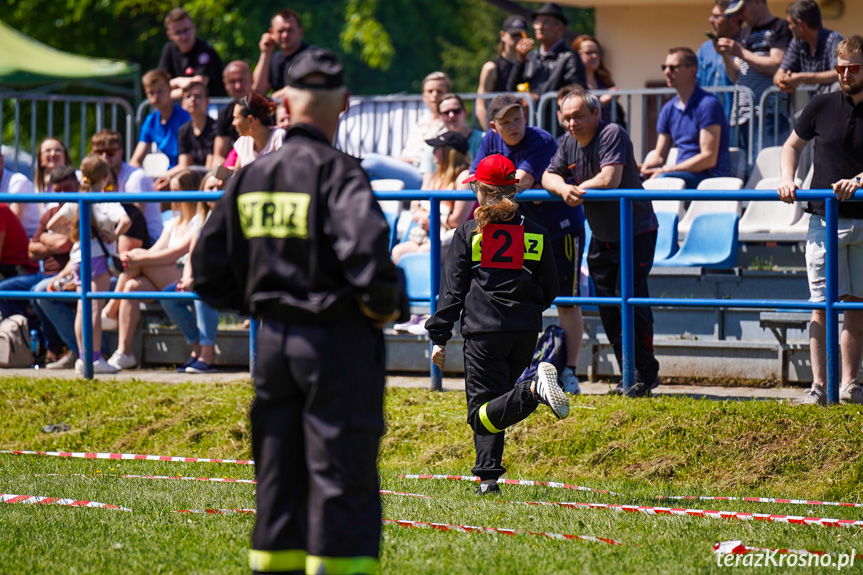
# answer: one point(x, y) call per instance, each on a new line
point(694, 121)
point(835, 122)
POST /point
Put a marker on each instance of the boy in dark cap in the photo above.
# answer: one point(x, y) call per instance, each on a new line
point(309, 258)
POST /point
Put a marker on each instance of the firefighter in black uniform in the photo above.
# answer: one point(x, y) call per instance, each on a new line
point(498, 278)
point(299, 242)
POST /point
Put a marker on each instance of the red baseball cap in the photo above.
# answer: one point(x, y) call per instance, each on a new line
point(493, 170)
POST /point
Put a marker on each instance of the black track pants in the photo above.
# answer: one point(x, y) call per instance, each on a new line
point(492, 364)
point(603, 261)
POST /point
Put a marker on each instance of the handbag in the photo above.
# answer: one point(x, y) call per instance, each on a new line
point(115, 264)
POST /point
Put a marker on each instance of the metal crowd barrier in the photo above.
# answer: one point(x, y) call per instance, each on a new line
point(808, 92)
point(380, 124)
point(627, 301)
point(52, 115)
point(645, 94)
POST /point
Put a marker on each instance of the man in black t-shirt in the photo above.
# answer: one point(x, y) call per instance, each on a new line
point(187, 58)
point(835, 122)
point(599, 156)
point(286, 34)
point(237, 79)
point(195, 138)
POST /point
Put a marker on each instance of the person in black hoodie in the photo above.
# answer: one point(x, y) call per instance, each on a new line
point(498, 278)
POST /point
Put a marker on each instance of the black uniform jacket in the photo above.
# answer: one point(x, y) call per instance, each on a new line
point(490, 290)
point(299, 236)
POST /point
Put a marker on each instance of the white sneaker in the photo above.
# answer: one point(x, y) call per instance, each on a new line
point(79, 366)
point(102, 366)
point(122, 361)
point(419, 328)
point(109, 323)
point(548, 391)
point(851, 393)
point(815, 396)
point(414, 320)
point(569, 381)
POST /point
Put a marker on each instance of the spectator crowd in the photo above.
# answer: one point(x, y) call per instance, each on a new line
point(183, 145)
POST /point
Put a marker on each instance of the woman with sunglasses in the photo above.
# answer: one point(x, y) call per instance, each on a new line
point(454, 115)
point(498, 279)
point(253, 120)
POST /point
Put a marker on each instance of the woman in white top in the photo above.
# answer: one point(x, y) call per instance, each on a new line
point(253, 120)
point(153, 269)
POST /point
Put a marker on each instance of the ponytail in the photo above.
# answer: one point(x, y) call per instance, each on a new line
point(499, 205)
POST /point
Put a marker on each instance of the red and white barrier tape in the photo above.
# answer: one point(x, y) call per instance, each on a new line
point(126, 476)
point(502, 531)
point(559, 485)
point(217, 511)
point(38, 500)
point(214, 479)
point(131, 456)
point(792, 519)
point(738, 548)
point(528, 482)
point(759, 500)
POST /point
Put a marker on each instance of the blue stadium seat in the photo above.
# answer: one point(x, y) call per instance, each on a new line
point(666, 237)
point(710, 243)
point(417, 268)
point(392, 221)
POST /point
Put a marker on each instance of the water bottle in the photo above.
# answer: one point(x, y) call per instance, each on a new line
point(34, 347)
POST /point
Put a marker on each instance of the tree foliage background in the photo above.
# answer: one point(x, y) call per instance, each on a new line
point(387, 46)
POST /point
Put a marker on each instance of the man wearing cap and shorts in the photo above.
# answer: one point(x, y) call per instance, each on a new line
point(531, 149)
point(299, 242)
point(835, 122)
point(599, 156)
point(494, 75)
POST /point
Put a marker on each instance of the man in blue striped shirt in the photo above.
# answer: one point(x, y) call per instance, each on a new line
point(811, 56)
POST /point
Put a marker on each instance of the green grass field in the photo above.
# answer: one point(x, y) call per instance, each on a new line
point(640, 448)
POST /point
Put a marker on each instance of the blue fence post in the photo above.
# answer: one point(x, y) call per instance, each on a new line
point(86, 302)
point(627, 311)
point(831, 314)
point(435, 263)
point(253, 345)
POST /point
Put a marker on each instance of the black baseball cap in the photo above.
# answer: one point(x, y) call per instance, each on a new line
point(514, 24)
point(315, 69)
point(454, 140)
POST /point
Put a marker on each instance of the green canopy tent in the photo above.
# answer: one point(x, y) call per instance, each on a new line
point(27, 64)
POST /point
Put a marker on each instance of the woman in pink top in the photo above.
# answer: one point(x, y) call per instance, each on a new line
point(253, 121)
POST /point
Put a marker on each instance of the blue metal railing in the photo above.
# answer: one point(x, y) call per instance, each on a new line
point(626, 301)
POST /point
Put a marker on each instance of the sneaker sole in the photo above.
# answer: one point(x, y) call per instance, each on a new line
point(554, 395)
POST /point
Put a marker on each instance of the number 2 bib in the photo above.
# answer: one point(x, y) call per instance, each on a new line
point(502, 247)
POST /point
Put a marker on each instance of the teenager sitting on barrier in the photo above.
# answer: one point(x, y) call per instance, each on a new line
point(108, 220)
point(406, 166)
point(197, 320)
point(153, 269)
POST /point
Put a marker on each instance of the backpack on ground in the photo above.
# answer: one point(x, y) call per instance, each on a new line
point(551, 348)
point(15, 342)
